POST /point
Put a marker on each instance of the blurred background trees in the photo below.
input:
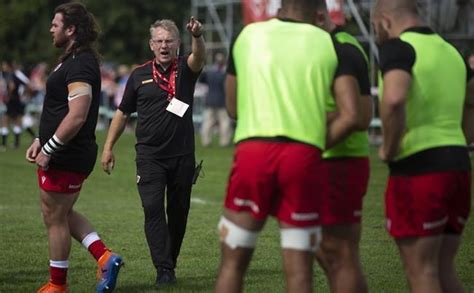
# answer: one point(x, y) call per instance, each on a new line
point(25, 37)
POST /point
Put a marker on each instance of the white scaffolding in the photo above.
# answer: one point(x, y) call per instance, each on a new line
point(222, 20)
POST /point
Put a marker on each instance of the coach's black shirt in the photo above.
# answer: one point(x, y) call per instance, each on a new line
point(80, 153)
point(398, 54)
point(160, 133)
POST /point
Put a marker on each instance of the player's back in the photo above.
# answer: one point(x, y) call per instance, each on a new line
point(436, 98)
point(284, 72)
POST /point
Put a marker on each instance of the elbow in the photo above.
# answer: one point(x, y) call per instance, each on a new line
point(79, 120)
point(352, 121)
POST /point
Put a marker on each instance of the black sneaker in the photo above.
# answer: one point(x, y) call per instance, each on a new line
point(165, 277)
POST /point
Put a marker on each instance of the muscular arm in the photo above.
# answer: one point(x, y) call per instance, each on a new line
point(231, 95)
point(346, 95)
point(116, 129)
point(468, 115)
point(366, 112)
point(396, 85)
point(77, 115)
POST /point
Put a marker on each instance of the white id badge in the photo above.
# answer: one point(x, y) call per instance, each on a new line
point(177, 107)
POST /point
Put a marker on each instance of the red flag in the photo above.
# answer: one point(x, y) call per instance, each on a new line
point(336, 11)
point(259, 10)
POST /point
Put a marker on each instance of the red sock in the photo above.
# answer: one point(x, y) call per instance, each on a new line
point(58, 275)
point(97, 249)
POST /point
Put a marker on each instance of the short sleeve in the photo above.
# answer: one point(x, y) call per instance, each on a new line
point(128, 104)
point(396, 54)
point(83, 68)
point(352, 62)
point(185, 69)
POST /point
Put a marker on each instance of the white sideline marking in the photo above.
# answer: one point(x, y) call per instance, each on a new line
point(198, 200)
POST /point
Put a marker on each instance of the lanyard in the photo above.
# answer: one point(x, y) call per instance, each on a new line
point(168, 85)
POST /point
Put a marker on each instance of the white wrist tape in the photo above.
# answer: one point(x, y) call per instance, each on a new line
point(52, 145)
point(235, 236)
point(306, 239)
point(83, 90)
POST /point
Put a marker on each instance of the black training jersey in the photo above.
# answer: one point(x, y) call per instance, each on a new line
point(80, 153)
point(160, 133)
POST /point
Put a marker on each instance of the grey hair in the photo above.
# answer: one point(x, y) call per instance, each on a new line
point(167, 25)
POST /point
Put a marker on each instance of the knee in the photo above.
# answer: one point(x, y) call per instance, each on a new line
point(51, 215)
point(337, 253)
point(331, 251)
point(153, 210)
point(416, 271)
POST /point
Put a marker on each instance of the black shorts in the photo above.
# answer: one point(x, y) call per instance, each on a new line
point(15, 108)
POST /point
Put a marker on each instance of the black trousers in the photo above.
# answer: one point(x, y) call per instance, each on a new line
point(165, 230)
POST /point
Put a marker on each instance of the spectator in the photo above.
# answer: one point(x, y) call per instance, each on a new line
point(215, 113)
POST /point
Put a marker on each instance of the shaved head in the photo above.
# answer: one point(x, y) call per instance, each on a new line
point(391, 17)
point(396, 7)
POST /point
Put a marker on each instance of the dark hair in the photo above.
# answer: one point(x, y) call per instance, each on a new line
point(86, 28)
point(321, 4)
point(306, 5)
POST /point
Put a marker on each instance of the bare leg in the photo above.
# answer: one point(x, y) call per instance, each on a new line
point(420, 258)
point(55, 208)
point(447, 272)
point(298, 268)
point(79, 226)
point(339, 258)
point(234, 262)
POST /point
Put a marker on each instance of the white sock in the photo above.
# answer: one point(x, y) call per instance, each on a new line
point(17, 129)
point(4, 131)
point(62, 264)
point(89, 239)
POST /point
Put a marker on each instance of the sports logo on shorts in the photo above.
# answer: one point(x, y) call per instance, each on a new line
point(43, 179)
point(76, 186)
point(138, 179)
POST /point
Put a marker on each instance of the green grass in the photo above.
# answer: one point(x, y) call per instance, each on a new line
point(113, 206)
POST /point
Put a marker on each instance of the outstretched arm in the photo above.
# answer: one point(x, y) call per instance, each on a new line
point(198, 55)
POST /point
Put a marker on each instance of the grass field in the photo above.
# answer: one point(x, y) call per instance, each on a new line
point(112, 204)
